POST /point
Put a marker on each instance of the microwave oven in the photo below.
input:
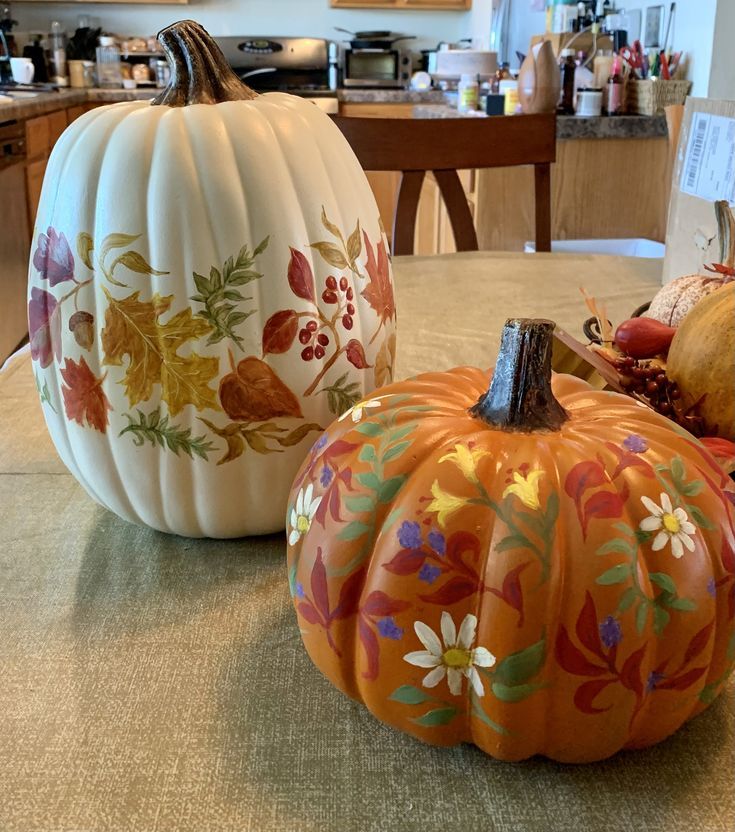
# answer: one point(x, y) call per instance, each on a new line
point(370, 68)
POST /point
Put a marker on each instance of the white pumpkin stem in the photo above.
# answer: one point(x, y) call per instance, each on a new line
point(200, 73)
point(520, 397)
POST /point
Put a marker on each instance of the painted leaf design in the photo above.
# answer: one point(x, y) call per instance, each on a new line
point(113, 241)
point(372, 650)
point(133, 330)
point(684, 681)
point(520, 667)
point(319, 588)
point(512, 591)
point(461, 543)
point(586, 694)
point(85, 246)
point(53, 258)
point(698, 643)
point(330, 226)
point(136, 263)
point(331, 254)
point(44, 327)
point(604, 504)
point(349, 595)
point(587, 629)
point(385, 361)
point(356, 354)
point(379, 605)
point(406, 562)
point(307, 611)
point(254, 393)
point(301, 277)
point(582, 476)
point(627, 459)
point(409, 695)
point(630, 675)
point(354, 244)
point(456, 589)
point(379, 292)
point(572, 659)
point(439, 716)
point(280, 331)
point(84, 400)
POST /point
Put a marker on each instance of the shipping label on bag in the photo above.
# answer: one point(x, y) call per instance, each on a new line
point(704, 172)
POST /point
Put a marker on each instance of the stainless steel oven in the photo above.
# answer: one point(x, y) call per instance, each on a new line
point(370, 68)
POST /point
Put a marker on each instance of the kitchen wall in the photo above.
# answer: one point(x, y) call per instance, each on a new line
point(261, 17)
point(722, 73)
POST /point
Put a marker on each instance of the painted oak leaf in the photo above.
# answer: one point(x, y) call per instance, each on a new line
point(133, 330)
point(84, 398)
point(379, 292)
point(252, 392)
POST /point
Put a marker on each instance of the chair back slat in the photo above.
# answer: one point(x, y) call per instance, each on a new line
point(460, 216)
point(407, 208)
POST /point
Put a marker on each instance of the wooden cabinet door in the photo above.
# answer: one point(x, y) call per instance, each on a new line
point(57, 124)
point(34, 181)
point(38, 134)
point(73, 113)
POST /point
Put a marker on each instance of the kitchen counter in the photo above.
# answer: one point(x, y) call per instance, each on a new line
point(43, 103)
point(573, 127)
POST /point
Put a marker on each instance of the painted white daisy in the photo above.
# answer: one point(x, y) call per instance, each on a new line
point(357, 411)
point(303, 513)
point(672, 524)
point(455, 658)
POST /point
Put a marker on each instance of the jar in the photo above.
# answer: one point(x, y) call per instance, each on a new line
point(510, 90)
point(468, 93)
point(109, 71)
point(589, 102)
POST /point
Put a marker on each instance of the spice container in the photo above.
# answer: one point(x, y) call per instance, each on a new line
point(109, 71)
point(589, 102)
point(468, 93)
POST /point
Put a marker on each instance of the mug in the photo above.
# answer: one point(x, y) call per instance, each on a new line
point(22, 69)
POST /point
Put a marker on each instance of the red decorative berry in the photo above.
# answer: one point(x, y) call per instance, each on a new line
point(318, 352)
point(311, 326)
point(350, 309)
point(304, 336)
point(343, 283)
point(329, 297)
point(332, 282)
point(347, 321)
point(323, 339)
point(308, 353)
point(350, 294)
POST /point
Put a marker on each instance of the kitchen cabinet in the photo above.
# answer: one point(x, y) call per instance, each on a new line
point(437, 5)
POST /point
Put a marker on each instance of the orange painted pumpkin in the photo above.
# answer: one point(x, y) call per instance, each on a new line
point(535, 572)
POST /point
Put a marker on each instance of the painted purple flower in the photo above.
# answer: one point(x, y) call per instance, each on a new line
point(409, 535)
point(635, 443)
point(388, 628)
point(712, 587)
point(654, 677)
point(53, 258)
point(610, 631)
point(437, 542)
point(44, 327)
point(326, 476)
point(429, 573)
point(300, 591)
point(319, 444)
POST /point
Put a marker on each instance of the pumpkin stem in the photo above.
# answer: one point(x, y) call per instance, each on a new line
point(726, 232)
point(200, 73)
point(520, 397)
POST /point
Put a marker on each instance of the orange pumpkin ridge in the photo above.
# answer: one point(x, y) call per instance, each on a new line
point(558, 582)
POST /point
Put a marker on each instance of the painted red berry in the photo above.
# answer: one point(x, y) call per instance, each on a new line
point(329, 297)
point(308, 353)
point(311, 326)
point(331, 282)
point(350, 294)
point(319, 352)
point(343, 283)
point(304, 336)
point(350, 309)
point(323, 339)
point(347, 321)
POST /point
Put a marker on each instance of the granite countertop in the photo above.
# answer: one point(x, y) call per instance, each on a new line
point(574, 127)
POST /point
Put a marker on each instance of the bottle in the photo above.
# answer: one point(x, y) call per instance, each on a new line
point(468, 93)
point(615, 90)
point(57, 38)
point(568, 68)
point(109, 71)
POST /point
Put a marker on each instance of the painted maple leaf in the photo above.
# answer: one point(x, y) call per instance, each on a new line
point(379, 292)
point(84, 398)
point(133, 329)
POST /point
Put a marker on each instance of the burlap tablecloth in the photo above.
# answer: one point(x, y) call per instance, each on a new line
point(153, 683)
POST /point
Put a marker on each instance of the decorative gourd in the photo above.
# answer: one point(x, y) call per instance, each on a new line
point(676, 299)
point(533, 572)
point(209, 287)
point(702, 361)
point(539, 80)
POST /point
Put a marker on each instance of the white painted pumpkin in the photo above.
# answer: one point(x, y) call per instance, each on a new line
point(209, 285)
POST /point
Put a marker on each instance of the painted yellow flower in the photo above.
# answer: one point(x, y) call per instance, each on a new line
point(444, 503)
point(466, 460)
point(526, 488)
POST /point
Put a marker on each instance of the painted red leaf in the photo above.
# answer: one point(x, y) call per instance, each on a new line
point(307, 611)
point(406, 562)
point(380, 605)
point(279, 331)
point(728, 556)
point(319, 588)
point(588, 692)
point(572, 659)
point(587, 629)
point(582, 476)
point(684, 681)
point(84, 398)
point(255, 393)
point(338, 448)
point(379, 292)
point(356, 354)
point(627, 459)
point(698, 643)
point(512, 591)
point(630, 675)
point(606, 504)
point(454, 590)
point(44, 327)
point(460, 543)
point(349, 595)
point(300, 277)
point(372, 650)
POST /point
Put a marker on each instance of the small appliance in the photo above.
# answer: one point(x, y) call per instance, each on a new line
point(374, 61)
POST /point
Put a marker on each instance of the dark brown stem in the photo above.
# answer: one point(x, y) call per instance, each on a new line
point(200, 73)
point(520, 397)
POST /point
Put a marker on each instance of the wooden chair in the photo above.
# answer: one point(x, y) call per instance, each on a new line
point(416, 146)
